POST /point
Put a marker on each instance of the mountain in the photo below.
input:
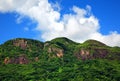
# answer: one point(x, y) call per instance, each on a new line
point(92, 49)
point(18, 50)
point(23, 51)
point(60, 59)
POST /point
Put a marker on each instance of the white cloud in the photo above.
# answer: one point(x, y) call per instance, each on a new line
point(10, 5)
point(113, 39)
point(80, 26)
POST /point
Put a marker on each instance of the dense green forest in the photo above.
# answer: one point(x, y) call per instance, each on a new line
point(60, 59)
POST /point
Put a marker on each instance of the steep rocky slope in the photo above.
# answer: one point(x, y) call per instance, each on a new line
point(23, 51)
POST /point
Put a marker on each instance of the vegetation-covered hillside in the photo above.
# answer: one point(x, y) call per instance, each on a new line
point(60, 59)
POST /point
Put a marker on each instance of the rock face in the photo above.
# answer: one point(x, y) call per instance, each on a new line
point(100, 53)
point(90, 54)
point(20, 43)
point(83, 54)
point(18, 60)
point(58, 52)
point(6, 60)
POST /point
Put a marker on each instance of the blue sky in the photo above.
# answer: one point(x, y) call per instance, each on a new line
point(108, 12)
point(44, 20)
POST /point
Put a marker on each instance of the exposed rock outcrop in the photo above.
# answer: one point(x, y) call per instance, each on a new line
point(18, 60)
point(58, 52)
point(20, 43)
point(6, 60)
point(91, 53)
point(100, 53)
point(83, 54)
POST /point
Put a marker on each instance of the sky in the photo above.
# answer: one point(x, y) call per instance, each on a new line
point(78, 20)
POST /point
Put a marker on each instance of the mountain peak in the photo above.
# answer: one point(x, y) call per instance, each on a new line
point(92, 42)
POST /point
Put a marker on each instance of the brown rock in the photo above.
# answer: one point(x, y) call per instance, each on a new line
point(87, 54)
point(6, 60)
point(22, 59)
point(58, 52)
point(18, 60)
point(100, 53)
point(20, 43)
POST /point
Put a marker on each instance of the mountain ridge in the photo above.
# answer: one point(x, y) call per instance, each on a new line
point(58, 47)
point(60, 59)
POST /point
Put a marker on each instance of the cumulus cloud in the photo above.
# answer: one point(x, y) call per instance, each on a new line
point(79, 25)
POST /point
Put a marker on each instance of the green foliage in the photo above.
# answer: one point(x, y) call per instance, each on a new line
point(66, 68)
point(93, 43)
point(114, 53)
point(34, 48)
point(89, 70)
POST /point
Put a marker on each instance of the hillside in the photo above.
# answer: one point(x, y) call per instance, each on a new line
point(60, 59)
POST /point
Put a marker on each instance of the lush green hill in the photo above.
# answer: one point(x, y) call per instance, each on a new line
point(94, 43)
point(92, 49)
point(63, 43)
point(60, 59)
point(15, 48)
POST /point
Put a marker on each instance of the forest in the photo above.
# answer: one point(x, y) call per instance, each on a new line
point(60, 59)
